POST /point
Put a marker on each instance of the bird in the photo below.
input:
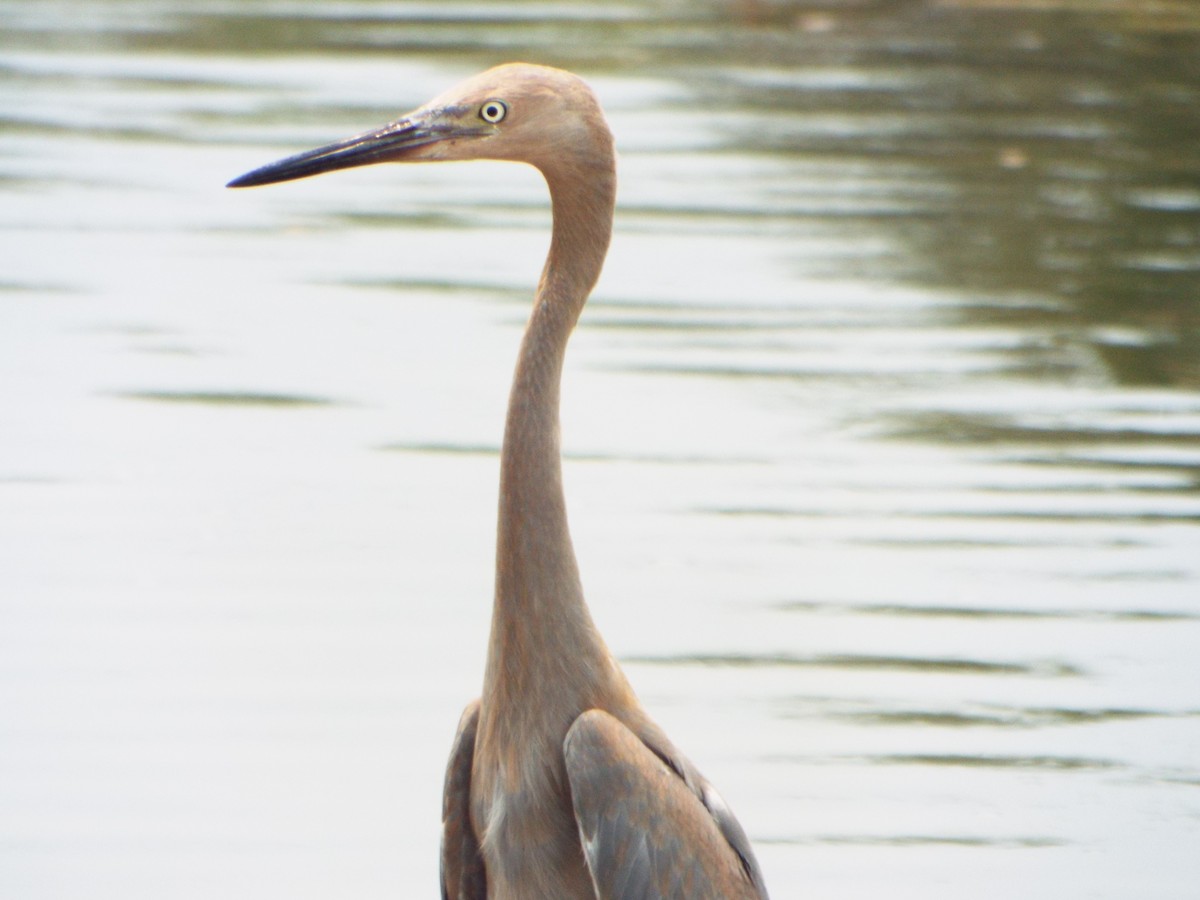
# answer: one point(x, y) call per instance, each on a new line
point(559, 784)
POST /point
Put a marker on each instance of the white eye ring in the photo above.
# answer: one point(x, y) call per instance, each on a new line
point(493, 111)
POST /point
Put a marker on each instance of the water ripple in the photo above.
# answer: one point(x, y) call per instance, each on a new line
point(932, 665)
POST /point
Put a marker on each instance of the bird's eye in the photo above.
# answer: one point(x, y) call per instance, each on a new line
point(493, 111)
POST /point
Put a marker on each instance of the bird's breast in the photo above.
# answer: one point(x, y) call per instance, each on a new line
point(530, 842)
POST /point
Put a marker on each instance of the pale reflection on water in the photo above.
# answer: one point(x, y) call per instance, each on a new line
point(882, 435)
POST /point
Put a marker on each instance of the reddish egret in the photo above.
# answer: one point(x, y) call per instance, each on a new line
point(559, 785)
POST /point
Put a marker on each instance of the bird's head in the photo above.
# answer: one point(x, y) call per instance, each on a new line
point(520, 112)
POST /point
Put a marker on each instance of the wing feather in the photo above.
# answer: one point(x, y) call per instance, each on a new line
point(462, 869)
point(645, 823)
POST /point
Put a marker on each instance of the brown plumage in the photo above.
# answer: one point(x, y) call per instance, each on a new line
point(558, 784)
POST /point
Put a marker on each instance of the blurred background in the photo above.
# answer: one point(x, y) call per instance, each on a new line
point(882, 435)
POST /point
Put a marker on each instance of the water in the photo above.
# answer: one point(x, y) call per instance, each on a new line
point(883, 437)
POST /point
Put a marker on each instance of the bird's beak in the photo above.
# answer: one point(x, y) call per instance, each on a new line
point(408, 138)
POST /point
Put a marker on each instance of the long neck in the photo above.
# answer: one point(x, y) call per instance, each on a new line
point(541, 629)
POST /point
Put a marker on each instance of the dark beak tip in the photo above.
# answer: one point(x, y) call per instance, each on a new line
point(249, 179)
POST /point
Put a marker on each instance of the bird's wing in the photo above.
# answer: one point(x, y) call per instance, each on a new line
point(463, 875)
point(650, 826)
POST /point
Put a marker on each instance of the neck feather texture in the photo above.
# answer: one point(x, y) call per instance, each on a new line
point(544, 650)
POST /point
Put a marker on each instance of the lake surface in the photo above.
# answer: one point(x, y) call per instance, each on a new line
point(882, 436)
